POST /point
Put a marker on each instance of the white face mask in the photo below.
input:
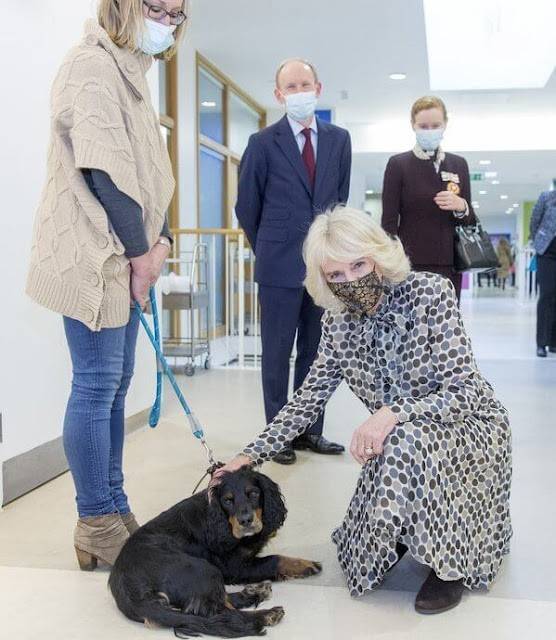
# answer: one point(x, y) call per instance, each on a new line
point(301, 106)
point(155, 37)
point(429, 139)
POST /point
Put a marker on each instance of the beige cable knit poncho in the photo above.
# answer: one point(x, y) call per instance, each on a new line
point(102, 118)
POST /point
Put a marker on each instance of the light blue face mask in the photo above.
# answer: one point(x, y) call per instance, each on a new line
point(429, 139)
point(155, 37)
point(301, 106)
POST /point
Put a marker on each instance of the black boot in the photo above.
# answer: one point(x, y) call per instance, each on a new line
point(437, 596)
point(541, 352)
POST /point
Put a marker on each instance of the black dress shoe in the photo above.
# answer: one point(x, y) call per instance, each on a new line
point(437, 596)
point(286, 456)
point(318, 444)
point(552, 349)
point(541, 352)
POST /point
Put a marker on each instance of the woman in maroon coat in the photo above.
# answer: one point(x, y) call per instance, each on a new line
point(426, 193)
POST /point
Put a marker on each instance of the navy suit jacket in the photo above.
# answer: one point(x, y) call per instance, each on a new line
point(276, 205)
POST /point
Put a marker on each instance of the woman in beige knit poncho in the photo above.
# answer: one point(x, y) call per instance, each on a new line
point(100, 240)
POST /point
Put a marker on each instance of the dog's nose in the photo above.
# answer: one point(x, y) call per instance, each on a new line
point(246, 520)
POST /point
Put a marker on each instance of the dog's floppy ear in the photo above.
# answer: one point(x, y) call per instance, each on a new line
point(219, 534)
point(274, 509)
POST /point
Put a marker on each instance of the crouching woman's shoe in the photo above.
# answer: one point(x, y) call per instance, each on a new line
point(437, 596)
point(99, 538)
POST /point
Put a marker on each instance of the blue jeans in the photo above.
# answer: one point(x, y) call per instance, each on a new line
point(103, 364)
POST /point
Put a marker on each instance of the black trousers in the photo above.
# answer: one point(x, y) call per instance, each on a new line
point(445, 270)
point(546, 306)
point(283, 313)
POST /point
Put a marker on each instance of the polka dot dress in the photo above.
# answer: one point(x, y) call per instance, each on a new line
point(442, 485)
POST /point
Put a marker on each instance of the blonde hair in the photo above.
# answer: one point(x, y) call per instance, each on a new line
point(346, 234)
point(124, 19)
point(288, 61)
point(428, 102)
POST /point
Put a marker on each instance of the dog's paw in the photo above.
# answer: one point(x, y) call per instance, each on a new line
point(273, 616)
point(297, 568)
point(262, 591)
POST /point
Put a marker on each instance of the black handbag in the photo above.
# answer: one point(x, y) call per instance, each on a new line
point(473, 249)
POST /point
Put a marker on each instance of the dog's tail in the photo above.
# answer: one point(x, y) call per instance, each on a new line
point(152, 610)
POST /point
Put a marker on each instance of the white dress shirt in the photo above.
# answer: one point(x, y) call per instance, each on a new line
point(297, 129)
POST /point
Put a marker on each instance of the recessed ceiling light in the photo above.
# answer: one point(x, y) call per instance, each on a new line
point(509, 211)
point(482, 193)
point(491, 174)
point(495, 182)
point(208, 103)
point(475, 203)
point(485, 161)
point(369, 192)
point(503, 197)
point(398, 76)
point(515, 204)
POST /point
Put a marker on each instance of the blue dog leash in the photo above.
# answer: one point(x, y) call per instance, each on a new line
point(154, 416)
point(162, 367)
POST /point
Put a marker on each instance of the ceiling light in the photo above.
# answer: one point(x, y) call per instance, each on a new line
point(515, 204)
point(491, 174)
point(482, 193)
point(369, 192)
point(208, 103)
point(492, 28)
point(509, 210)
point(485, 161)
point(503, 197)
point(495, 182)
point(475, 203)
point(398, 76)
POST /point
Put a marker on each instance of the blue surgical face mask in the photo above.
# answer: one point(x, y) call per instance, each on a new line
point(301, 106)
point(429, 139)
point(155, 37)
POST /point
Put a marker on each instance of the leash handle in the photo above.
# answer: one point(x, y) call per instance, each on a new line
point(154, 416)
point(198, 432)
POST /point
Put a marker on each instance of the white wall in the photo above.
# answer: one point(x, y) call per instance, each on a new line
point(34, 363)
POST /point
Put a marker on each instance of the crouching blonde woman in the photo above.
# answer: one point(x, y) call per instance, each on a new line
point(436, 448)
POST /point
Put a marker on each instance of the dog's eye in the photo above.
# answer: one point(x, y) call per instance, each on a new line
point(228, 499)
point(253, 495)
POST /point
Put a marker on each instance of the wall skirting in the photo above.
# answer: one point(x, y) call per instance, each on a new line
point(31, 469)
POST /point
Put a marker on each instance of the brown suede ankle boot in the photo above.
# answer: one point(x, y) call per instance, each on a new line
point(99, 538)
point(130, 522)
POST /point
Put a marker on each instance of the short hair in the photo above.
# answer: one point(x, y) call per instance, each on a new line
point(288, 61)
point(428, 102)
point(123, 20)
point(346, 234)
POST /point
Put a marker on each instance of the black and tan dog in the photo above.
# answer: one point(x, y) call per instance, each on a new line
point(172, 571)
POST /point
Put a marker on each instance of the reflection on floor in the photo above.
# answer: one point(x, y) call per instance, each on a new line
point(43, 595)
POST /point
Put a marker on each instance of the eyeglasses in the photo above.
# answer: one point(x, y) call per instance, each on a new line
point(158, 13)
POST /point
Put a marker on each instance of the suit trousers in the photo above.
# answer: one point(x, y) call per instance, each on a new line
point(445, 270)
point(546, 305)
point(285, 312)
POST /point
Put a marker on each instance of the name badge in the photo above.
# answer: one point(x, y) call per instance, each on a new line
point(449, 177)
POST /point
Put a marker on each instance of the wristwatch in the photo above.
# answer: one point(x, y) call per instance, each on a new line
point(164, 240)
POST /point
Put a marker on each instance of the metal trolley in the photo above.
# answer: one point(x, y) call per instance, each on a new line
point(193, 297)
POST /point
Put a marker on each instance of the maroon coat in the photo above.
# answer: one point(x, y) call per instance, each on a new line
point(409, 211)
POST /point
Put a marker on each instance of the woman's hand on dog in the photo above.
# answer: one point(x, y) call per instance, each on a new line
point(234, 464)
point(372, 434)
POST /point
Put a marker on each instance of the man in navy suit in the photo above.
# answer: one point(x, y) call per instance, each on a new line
point(290, 172)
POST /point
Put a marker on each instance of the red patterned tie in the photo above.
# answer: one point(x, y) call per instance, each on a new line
point(308, 156)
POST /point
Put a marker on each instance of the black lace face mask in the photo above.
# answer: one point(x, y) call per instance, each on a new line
point(362, 295)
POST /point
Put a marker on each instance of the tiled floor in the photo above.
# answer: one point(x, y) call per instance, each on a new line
point(44, 596)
